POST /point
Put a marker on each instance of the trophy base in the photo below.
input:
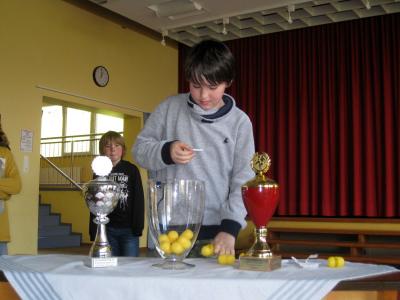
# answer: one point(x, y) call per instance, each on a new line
point(101, 262)
point(252, 263)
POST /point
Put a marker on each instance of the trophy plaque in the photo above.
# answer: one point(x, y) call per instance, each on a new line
point(101, 196)
point(260, 197)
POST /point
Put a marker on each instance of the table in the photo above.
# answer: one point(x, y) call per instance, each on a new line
point(67, 277)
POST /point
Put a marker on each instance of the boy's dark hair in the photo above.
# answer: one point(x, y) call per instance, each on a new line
point(111, 137)
point(210, 61)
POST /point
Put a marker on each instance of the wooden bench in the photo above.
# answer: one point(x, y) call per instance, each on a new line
point(361, 240)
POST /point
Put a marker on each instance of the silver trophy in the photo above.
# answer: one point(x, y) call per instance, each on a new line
point(101, 196)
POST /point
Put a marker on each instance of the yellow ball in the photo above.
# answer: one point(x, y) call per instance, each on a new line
point(166, 247)
point(339, 262)
point(221, 259)
point(163, 238)
point(230, 259)
point(207, 250)
point(188, 234)
point(335, 262)
point(184, 242)
point(177, 248)
point(173, 235)
point(225, 259)
point(331, 262)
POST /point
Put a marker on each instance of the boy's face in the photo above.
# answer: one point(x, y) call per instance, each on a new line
point(208, 96)
point(113, 151)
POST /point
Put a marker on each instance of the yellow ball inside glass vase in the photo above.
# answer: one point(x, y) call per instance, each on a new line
point(188, 234)
point(163, 238)
point(184, 242)
point(177, 248)
point(172, 235)
point(166, 247)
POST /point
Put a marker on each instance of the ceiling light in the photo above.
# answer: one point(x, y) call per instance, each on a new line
point(224, 22)
point(290, 9)
point(177, 9)
point(164, 33)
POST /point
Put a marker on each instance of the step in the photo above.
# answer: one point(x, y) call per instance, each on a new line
point(44, 209)
point(60, 241)
point(53, 219)
point(52, 230)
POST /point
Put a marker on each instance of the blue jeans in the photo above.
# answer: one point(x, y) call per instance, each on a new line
point(122, 241)
point(3, 248)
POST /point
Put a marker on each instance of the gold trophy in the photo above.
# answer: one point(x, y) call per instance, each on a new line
point(260, 197)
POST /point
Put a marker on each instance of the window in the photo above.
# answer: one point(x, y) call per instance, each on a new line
point(52, 126)
point(106, 123)
point(67, 130)
point(77, 131)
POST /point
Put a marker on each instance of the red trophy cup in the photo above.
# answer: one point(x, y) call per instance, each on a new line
point(260, 197)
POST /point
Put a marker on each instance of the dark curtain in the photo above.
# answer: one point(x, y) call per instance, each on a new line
point(325, 105)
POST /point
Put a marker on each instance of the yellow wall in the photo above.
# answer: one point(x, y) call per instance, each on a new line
point(55, 44)
point(132, 128)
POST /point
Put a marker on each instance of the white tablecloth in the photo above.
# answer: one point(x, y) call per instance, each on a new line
point(67, 277)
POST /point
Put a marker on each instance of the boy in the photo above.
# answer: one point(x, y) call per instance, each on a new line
point(208, 120)
point(127, 219)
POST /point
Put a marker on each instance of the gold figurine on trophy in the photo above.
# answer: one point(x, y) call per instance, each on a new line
point(260, 197)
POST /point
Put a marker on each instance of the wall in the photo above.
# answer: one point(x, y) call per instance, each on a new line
point(56, 44)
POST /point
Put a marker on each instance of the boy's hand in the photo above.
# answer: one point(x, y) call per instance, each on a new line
point(224, 243)
point(181, 153)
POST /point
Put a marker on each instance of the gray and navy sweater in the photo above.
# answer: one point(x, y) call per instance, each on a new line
point(226, 137)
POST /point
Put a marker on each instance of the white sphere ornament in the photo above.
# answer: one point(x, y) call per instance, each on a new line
point(102, 165)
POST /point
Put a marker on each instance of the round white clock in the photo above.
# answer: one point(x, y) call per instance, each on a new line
point(101, 76)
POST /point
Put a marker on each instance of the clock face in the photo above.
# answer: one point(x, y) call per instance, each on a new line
point(100, 76)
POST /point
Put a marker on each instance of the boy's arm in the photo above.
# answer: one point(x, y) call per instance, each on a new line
point(234, 212)
point(149, 146)
point(10, 184)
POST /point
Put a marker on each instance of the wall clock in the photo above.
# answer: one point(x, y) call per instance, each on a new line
point(101, 76)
